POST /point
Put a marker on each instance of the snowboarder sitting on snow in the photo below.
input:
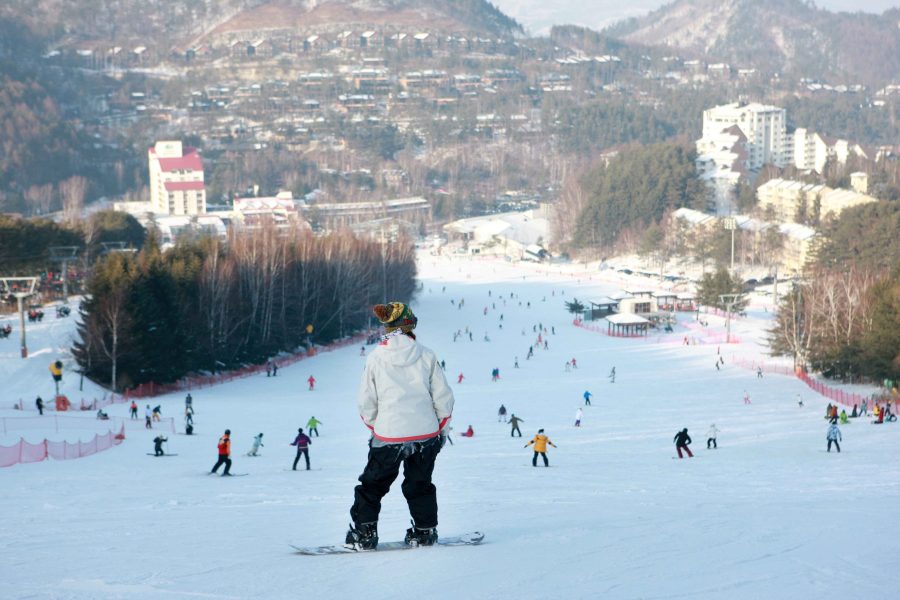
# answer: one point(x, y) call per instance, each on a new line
point(102, 415)
point(468, 432)
point(711, 436)
point(834, 435)
point(406, 402)
point(844, 418)
point(257, 444)
point(157, 445)
point(682, 441)
point(540, 442)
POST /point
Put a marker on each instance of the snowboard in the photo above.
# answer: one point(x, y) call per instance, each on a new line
point(469, 539)
point(229, 475)
point(151, 454)
point(304, 469)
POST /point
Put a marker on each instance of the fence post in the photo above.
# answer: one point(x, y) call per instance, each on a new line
point(56, 423)
point(46, 449)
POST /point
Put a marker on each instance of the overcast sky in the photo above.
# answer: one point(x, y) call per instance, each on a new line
point(538, 15)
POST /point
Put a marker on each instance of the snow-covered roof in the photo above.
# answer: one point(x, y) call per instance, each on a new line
point(626, 319)
point(522, 227)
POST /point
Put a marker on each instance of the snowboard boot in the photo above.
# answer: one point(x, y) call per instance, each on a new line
point(416, 536)
point(362, 537)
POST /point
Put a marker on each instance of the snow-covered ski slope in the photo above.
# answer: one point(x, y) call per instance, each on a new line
point(769, 514)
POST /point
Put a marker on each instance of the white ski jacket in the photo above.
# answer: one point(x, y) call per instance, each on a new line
point(713, 431)
point(403, 396)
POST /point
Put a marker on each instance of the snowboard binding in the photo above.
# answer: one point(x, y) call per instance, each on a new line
point(416, 536)
point(362, 537)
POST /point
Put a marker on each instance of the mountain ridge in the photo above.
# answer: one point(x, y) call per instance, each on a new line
point(775, 36)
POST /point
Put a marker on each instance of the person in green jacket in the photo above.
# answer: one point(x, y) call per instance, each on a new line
point(312, 426)
point(514, 421)
point(844, 418)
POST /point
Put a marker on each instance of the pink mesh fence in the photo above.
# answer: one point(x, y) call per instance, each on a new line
point(834, 394)
point(29, 452)
point(147, 390)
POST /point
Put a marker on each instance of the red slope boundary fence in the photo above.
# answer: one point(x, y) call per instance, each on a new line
point(835, 395)
point(150, 389)
point(94, 404)
point(28, 452)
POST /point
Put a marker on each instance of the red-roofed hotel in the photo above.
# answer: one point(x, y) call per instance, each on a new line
point(176, 180)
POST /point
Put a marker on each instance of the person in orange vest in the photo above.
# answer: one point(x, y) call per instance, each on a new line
point(312, 382)
point(224, 454)
point(540, 442)
point(133, 409)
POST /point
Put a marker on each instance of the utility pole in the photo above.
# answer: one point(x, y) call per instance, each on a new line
point(63, 254)
point(16, 286)
point(775, 288)
point(731, 223)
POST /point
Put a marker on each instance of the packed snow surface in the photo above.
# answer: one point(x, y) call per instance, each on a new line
point(769, 514)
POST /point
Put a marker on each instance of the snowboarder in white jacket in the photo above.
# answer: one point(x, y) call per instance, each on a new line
point(257, 444)
point(711, 436)
point(406, 402)
point(834, 436)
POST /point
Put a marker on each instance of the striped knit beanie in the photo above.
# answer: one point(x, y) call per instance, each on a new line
point(395, 315)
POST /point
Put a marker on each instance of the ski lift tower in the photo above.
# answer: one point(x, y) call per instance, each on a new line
point(730, 301)
point(64, 254)
point(21, 288)
point(109, 247)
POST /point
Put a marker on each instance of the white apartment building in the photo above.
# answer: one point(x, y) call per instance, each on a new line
point(764, 126)
point(176, 179)
point(786, 198)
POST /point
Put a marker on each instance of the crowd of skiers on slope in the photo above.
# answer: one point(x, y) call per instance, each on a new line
point(406, 404)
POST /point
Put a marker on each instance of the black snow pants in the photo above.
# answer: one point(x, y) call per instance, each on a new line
point(838, 446)
point(305, 453)
point(382, 469)
point(223, 460)
point(514, 431)
point(711, 442)
point(543, 455)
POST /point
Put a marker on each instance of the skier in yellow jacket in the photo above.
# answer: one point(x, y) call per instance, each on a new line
point(540, 442)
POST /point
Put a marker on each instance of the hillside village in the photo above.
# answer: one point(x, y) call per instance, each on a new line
point(408, 120)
